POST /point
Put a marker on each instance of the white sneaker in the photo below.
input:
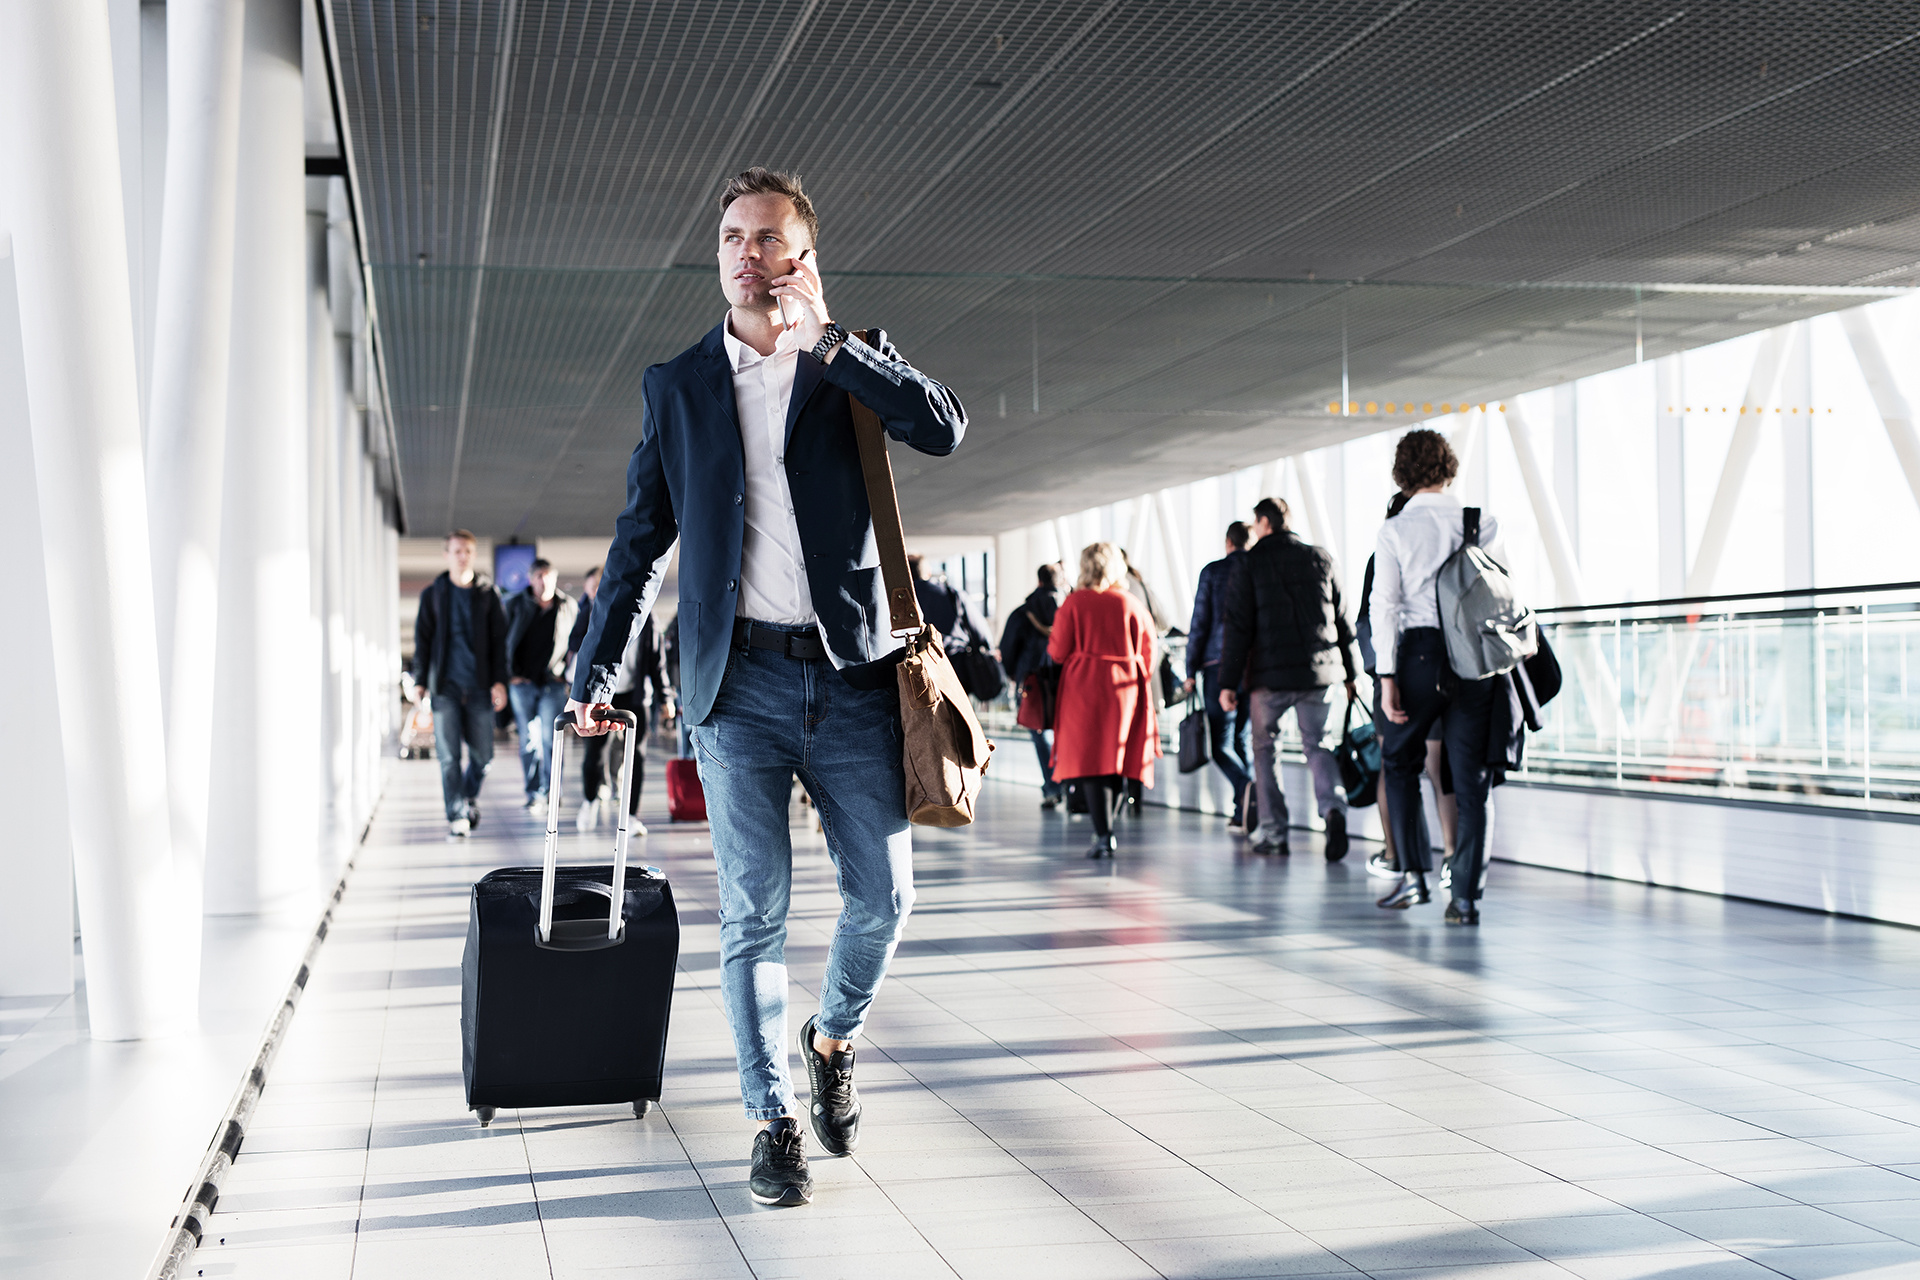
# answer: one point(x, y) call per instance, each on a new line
point(1446, 876)
point(459, 828)
point(1381, 865)
point(588, 818)
point(636, 827)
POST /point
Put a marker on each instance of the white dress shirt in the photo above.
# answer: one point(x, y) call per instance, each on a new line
point(773, 568)
point(1406, 566)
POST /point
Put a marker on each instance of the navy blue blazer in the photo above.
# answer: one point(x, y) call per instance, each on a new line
point(687, 479)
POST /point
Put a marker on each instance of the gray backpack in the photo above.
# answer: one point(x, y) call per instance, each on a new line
point(1488, 630)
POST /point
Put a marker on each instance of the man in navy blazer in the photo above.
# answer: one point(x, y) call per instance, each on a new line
point(747, 456)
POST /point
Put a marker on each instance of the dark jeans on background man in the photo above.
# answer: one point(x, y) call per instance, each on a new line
point(1462, 713)
point(1232, 750)
point(773, 717)
point(535, 708)
point(1044, 749)
point(467, 720)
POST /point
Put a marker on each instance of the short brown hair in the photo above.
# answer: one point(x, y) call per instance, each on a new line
point(465, 535)
point(1423, 459)
point(762, 181)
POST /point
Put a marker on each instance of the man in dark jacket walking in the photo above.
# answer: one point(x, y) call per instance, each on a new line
point(460, 662)
point(540, 619)
point(1206, 637)
point(1288, 641)
point(1023, 652)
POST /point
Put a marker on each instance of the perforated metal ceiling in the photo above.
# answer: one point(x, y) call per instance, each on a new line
point(1167, 201)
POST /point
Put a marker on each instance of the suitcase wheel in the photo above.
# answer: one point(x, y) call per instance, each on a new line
point(485, 1115)
point(640, 1108)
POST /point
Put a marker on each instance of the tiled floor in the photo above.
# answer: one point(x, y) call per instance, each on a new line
point(100, 1141)
point(1188, 1063)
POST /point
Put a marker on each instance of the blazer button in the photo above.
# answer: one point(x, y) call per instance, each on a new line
point(732, 583)
point(738, 499)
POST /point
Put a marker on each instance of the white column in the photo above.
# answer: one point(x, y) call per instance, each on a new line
point(64, 203)
point(187, 414)
point(1176, 552)
point(323, 535)
point(1566, 458)
point(1310, 499)
point(1670, 472)
point(36, 858)
point(261, 847)
point(1740, 451)
point(1546, 512)
point(1334, 495)
point(1796, 471)
point(1894, 413)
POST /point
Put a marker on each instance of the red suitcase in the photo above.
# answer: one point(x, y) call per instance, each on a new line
point(686, 802)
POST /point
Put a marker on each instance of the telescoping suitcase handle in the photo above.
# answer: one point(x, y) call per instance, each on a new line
point(550, 866)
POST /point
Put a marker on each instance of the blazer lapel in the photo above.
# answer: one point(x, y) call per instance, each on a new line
point(806, 376)
point(717, 373)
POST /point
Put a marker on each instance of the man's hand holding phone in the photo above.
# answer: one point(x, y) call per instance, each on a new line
point(803, 307)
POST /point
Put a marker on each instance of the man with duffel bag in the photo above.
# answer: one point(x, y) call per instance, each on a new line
point(748, 455)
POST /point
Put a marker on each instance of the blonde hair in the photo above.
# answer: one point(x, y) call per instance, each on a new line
point(1101, 566)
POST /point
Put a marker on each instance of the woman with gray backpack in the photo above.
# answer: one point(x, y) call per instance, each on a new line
point(1445, 621)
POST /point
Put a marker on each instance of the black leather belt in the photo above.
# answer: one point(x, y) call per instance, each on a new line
point(805, 645)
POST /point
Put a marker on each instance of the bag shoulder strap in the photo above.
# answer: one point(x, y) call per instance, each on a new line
point(903, 605)
point(1470, 525)
point(1044, 628)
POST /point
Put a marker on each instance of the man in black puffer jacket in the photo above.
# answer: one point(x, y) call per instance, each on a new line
point(1288, 642)
point(1023, 651)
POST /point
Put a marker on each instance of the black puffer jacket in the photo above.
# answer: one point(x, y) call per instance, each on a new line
point(1286, 625)
point(1023, 643)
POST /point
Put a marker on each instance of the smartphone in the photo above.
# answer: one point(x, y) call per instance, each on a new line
point(785, 322)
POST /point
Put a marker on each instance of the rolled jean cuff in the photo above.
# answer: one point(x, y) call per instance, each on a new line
point(771, 1113)
point(820, 1028)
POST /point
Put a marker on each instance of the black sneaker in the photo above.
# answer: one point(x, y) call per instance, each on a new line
point(1465, 913)
point(473, 815)
point(1336, 835)
point(780, 1166)
point(836, 1103)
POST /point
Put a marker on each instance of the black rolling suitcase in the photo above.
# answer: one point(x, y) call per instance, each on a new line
point(567, 979)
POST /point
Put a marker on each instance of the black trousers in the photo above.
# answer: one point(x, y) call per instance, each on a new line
point(1461, 707)
point(1105, 794)
point(604, 753)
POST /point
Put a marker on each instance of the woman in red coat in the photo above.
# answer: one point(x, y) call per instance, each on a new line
point(1104, 730)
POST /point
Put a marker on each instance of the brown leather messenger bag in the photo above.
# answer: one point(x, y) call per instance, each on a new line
point(944, 750)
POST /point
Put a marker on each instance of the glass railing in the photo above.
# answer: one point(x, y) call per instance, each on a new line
point(1808, 697)
point(1804, 697)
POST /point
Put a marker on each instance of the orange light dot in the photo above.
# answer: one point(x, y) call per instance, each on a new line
point(1426, 408)
point(1446, 408)
point(1373, 406)
point(1483, 406)
point(1353, 406)
point(1333, 406)
point(1502, 408)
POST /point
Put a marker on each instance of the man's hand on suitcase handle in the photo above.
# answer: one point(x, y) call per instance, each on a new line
point(591, 719)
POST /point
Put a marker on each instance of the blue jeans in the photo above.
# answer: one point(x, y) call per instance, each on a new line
point(466, 720)
point(774, 717)
point(1044, 749)
point(1232, 750)
point(535, 708)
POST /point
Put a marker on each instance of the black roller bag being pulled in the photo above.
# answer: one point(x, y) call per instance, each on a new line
point(563, 1003)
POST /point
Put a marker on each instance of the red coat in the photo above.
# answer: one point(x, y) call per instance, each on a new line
point(1104, 724)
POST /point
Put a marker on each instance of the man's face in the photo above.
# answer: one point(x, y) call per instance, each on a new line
point(760, 235)
point(591, 586)
point(459, 556)
point(541, 580)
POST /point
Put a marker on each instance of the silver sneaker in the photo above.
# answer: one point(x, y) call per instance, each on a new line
point(459, 829)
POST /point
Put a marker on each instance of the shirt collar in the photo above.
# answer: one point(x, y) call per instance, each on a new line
point(1432, 500)
point(741, 356)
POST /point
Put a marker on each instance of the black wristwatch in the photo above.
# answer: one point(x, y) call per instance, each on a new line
point(832, 338)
